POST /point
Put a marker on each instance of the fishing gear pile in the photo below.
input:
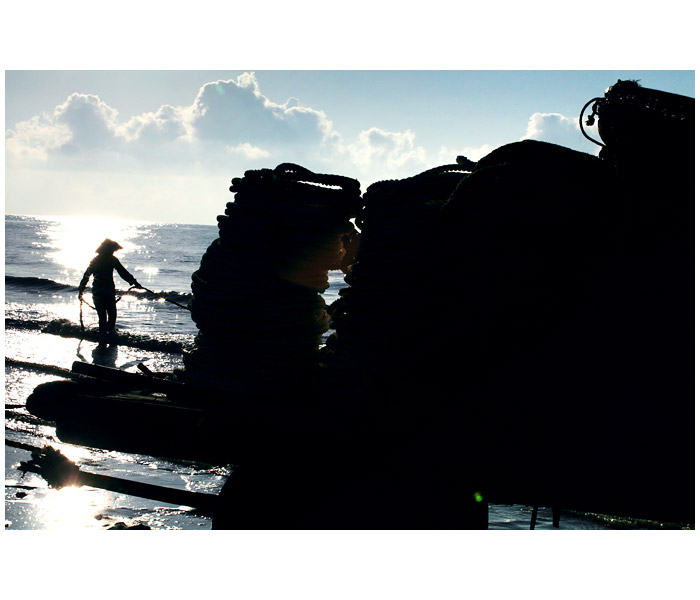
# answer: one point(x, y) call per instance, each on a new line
point(256, 295)
point(648, 136)
point(379, 314)
point(545, 279)
point(638, 125)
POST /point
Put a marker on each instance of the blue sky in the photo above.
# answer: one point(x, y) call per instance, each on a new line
point(135, 113)
point(163, 145)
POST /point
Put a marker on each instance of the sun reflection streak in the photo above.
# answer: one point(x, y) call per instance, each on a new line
point(74, 239)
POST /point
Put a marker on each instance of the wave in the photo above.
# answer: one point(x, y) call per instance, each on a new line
point(41, 285)
point(180, 297)
point(173, 344)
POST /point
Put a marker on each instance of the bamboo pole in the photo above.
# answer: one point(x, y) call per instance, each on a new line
point(60, 472)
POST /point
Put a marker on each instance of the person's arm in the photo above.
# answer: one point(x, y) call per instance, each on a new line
point(124, 274)
point(84, 280)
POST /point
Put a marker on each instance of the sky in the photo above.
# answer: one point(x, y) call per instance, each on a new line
point(163, 145)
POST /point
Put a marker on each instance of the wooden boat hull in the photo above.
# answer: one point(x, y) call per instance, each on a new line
point(127, 412)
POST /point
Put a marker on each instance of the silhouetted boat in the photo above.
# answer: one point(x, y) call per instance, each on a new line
point(152, 414)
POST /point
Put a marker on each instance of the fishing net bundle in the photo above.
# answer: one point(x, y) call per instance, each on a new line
point(256, 295)
point(571, 309)
point(522, 240)
point(465, 272)
point(380, 308)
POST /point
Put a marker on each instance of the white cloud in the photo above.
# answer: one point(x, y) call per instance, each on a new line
point(79, 127)
point(554, 128)
point(226, 117)
point(235, 111)
point(35, 138)
point(395, 149)
point(248, 151)
point(165, 125)
point(92, 123)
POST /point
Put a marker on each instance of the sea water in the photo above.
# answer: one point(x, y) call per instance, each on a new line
point(45, 259)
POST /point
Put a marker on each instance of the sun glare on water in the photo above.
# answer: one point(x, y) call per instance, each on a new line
point(73, 240)
point(73, 508)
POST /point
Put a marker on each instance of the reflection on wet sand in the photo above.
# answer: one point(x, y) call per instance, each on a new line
point(105, 355)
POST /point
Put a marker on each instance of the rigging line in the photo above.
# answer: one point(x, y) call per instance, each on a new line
point(166, 299)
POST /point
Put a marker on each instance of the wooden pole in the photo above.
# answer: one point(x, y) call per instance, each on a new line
point(166, 299)
point(533, 519)
point(137, 380)
point(59, 471)
point(203, 502)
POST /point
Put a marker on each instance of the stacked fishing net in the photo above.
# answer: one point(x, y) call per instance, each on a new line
point(378, 315)
point(256, 295)
point(528, 241)
point(524, 240)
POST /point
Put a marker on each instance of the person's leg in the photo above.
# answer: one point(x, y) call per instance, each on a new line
point(104, 305)
point(111, 316)
point(102, 319)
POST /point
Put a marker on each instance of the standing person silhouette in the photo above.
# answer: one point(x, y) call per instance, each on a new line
point(101, 268)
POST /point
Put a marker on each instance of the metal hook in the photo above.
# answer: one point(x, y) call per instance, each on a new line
point(590, 121)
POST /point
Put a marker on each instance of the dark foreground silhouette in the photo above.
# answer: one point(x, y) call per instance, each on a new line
point(540, 348)
point(514, 330)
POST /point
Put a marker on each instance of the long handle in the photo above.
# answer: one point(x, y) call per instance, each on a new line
point(59, 471)
point(125, 377)
point(166, 299)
